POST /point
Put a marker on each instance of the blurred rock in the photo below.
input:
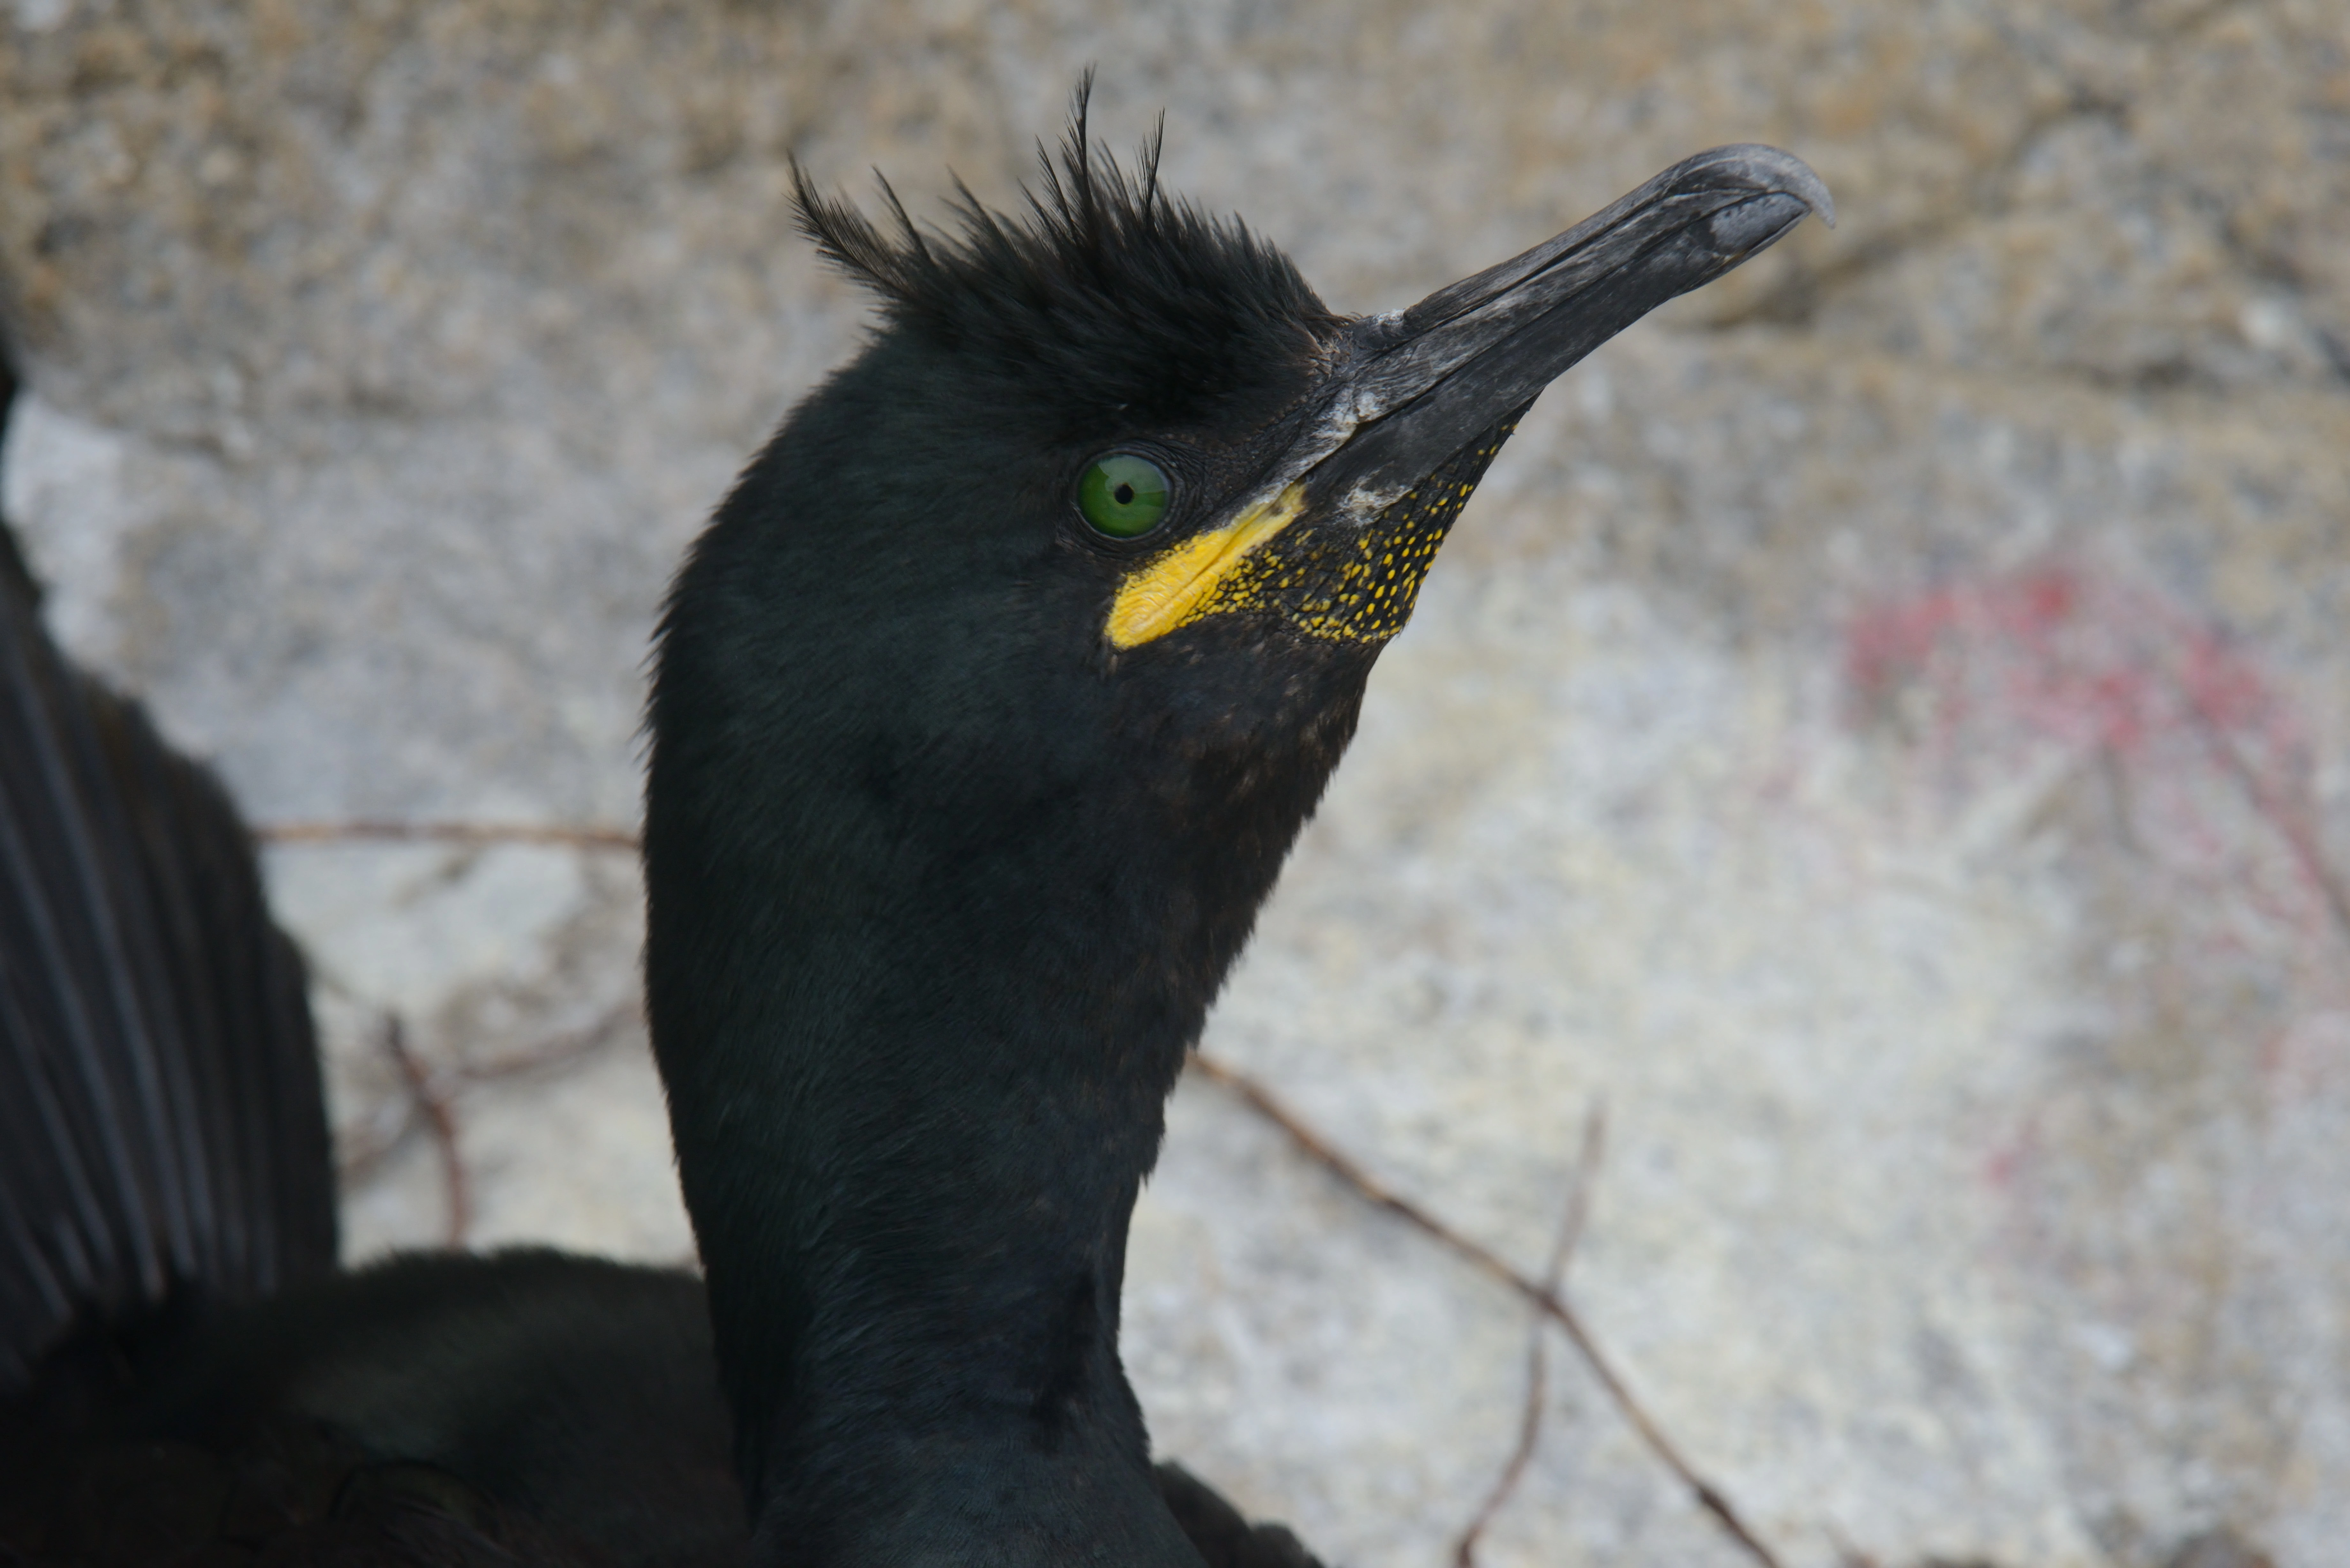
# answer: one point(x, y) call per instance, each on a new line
point(1880, 728)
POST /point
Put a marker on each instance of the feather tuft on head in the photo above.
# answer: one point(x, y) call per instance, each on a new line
point(1107, 290)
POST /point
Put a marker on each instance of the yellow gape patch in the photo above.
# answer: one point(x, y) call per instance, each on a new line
point(1333, 579)
point(1174, 588)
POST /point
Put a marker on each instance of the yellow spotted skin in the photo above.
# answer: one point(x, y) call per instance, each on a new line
point(1346, 583)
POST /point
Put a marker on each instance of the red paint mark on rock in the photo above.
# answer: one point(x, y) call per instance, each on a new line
point(2213, 757)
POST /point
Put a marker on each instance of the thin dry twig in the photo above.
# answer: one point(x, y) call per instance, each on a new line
point(460, 833)
point(554, 1051)
point(1570, 1232)
point(440, 1114)
point(1707, 1496)
point(430, 1097)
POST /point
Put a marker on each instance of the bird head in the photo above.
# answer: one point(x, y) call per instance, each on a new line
point(1110, 482)
point(1220, 455)
point(987, 710)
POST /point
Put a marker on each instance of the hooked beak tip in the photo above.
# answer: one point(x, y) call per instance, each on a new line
point(1769, 171)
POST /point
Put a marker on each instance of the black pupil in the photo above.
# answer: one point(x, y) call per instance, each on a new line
point(1123, 495)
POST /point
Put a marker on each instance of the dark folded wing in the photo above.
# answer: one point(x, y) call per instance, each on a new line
point(161, 1122)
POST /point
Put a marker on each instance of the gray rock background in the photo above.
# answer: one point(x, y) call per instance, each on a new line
point(1880, 729)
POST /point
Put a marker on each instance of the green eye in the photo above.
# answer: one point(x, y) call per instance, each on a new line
point(1124, 496)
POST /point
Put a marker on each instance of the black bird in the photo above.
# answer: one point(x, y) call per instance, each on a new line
point(985, 712)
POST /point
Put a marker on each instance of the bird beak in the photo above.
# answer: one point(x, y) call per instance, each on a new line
point(1417, 403)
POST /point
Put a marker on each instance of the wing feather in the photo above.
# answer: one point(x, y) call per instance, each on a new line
point(163, 1125)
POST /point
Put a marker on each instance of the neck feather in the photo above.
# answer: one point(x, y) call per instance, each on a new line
point(918, 1038)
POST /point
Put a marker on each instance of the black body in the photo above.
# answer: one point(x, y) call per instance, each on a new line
point(959, 812)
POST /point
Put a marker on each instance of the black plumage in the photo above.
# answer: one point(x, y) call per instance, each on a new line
point(963, 795)
point(160, 1113)
point(1110, 302)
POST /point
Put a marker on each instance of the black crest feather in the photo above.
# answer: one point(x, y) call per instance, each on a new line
point(1107, 290)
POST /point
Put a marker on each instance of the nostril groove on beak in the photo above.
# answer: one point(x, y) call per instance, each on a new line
point(1735, 230)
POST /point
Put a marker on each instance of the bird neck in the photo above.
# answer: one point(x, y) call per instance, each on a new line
point(918, 1036)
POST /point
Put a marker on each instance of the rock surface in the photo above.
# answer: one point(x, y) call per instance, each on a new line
point(1879, 731)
